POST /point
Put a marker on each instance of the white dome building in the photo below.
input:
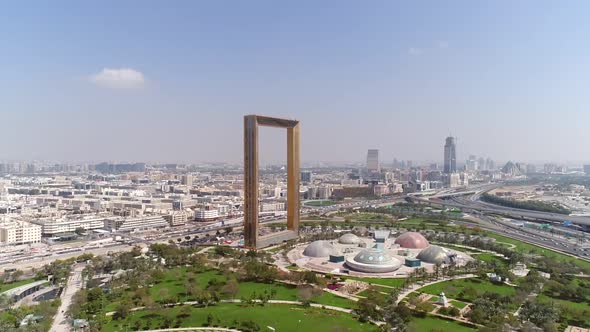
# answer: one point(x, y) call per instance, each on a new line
point(373, 260)
point(435, 255)
point(320, 248)
point(349, 238)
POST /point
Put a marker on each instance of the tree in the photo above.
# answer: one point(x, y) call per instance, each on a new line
point(231, 288)
point(80, 230)
point(367, 310)
point(539, 313)
point(122, 310)
point(305, 294)
point(250, 326)
point(210, 319)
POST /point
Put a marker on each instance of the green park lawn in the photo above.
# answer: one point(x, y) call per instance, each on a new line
point(430, 323)
point(9, 286)
point(366, 216)
point(175, 280)
point(581, 307)
point(488, 258)
point(325, 202)
point(281, 317)
point(391, 282)
point(458, 304)
point(384, 290)
point(461, 249)
point(453, 288)
point(564, 303)
point(525, 248)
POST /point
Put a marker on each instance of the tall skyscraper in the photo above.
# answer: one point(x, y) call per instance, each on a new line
point(373, 160)
point(306, 177)
point(450, 156)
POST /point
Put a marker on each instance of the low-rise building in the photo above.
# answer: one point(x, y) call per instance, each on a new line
point(66, 225)
point(206, 214)
point(272, 206)
point(135, 223)
point(19, 232)
point(176, 218)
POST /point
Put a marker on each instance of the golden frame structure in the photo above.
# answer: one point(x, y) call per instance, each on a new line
point(251, 207)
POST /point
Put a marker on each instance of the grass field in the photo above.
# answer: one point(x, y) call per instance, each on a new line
point(453, 288)
point(384, 290)
point(366, 216)
point(465, 250)
point(525, 247)
point(391, 282)
point(325, 202)
point(564, 303)
point(283, 318)
point(488, 258)
point(430, 323)
point(5, 287)
point(458, 304)
point(570, 305)
point(175, 280)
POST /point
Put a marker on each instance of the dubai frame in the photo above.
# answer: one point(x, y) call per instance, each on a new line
point(251, 207)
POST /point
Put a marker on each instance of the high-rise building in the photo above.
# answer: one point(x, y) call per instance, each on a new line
point(306, 177)
point(530, 169)
point(373, 160)
point(450, 159)
point(490, 164)
point(481, 164)
point(471, 164)
point(187, 180)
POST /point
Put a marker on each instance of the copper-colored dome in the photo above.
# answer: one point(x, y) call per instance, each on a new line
point(412, 240)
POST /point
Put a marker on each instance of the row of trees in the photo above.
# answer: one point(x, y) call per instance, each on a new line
point(526, 205)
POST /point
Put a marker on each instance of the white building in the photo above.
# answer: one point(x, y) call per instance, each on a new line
point(19, 232)
point(134, 224)
point(380, 189)
point(176, 218)
point(324, 192)
point(272, 206)
point(65, 225)
point(206, 214)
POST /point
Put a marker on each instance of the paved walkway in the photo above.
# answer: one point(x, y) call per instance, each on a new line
point(416, 287)
point(73, 285)
point(315, 305)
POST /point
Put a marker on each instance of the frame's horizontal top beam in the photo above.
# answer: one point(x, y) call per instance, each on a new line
point(268, 121)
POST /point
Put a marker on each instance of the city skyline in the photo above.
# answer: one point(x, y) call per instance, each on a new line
point(173, 88)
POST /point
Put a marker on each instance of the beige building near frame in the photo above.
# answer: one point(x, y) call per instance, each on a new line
point(251, 208)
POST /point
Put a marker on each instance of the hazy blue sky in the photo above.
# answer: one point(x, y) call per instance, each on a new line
point(171, 80)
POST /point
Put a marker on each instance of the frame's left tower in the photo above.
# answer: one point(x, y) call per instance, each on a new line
point(251, 208)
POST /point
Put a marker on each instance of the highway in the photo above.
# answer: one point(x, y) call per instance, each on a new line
point(468, 201)
point(475, 205)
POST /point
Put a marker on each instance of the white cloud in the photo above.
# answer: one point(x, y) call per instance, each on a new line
point(414, 51)
point(442, 44)
point(122, 78)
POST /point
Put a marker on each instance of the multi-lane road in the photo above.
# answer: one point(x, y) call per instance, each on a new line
point(468, 201)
